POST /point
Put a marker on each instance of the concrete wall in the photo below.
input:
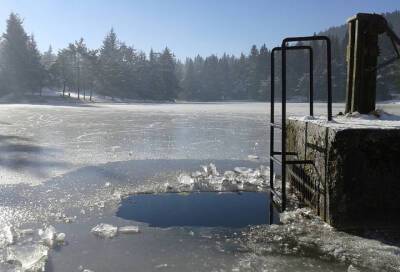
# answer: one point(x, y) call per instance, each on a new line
point(355, 179)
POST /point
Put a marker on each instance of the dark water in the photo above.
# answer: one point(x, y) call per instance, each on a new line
point(234, 210)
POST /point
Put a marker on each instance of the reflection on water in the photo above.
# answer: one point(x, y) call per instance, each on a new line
point(197, 209)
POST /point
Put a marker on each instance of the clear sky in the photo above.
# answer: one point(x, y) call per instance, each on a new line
point(188, 27)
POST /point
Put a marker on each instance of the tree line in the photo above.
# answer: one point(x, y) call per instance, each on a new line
point(118, 70)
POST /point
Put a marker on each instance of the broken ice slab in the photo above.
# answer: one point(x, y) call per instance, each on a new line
point(7, 236)
point(252, 157)
point(128, 229)
point(105, 230)
point(210, 170)
point(185, 179)
point(48, 235)
point(28, 257)
point(60, 238)
point(243, 170)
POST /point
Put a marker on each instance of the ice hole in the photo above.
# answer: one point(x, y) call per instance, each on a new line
point(205, 209)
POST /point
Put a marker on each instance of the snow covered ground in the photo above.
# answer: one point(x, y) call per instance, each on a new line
point(68, 166)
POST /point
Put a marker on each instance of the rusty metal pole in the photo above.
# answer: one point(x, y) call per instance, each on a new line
point(362, 59)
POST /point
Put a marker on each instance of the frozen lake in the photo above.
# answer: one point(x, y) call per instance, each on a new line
point(68, 166)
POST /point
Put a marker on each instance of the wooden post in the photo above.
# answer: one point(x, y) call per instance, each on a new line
point(362, 59)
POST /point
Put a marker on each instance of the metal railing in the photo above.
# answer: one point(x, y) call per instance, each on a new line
point(282, 197)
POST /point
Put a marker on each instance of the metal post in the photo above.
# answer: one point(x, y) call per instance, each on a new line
point(283, 153)
point(283, 139)
point(350, 66)
point(271, 130)
point(311, 94)
point(329, 68)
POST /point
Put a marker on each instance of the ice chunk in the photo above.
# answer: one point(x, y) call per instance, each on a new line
point(60, 238)
point(161, 266)
point(168, 186)
point(7, 236)
point(128, 229)
point(196, 174)
point(185, 179)
point(210, 170)
point(107, 184)
point(80, 268)
point(24, 232)
point(100, 204)
point(48, 235)
point(28, 257)
point(253, 157)
point(351, 268)
point(243, 170)
point(229, 176)
point(105, 230)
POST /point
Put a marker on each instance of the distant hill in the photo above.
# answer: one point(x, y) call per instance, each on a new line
point(340, 31)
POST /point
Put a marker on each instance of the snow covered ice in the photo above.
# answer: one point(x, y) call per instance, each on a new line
point(79, 176)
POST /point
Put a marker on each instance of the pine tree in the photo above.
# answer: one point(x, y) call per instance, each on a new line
point(110, 62)
point(48, 60)
point(170, 81)
point(21, 70)
point(36, 72)
point(156, 81)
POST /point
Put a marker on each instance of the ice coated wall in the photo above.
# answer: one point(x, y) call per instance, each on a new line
point(355, 179)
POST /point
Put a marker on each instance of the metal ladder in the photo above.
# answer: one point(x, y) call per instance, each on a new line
point(279, 200)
